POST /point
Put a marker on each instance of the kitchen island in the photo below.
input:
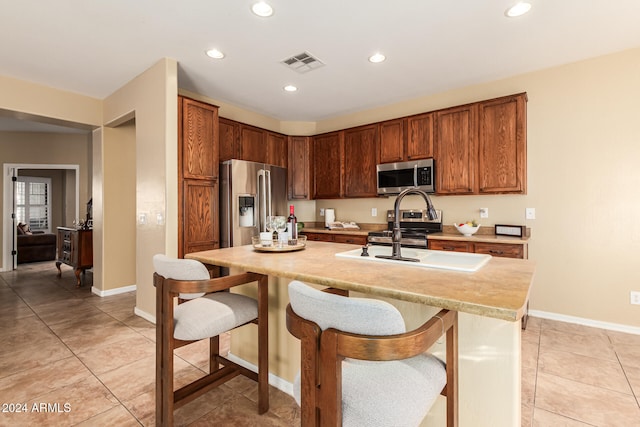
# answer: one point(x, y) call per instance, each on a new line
point(490, 301)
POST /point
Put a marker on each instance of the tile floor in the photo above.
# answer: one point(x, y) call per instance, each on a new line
point(92, 361)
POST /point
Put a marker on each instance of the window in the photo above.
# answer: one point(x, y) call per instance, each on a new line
point(33, 202)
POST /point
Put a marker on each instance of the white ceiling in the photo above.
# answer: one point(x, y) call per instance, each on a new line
point(94, 48)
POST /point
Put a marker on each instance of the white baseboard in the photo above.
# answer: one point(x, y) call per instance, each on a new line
point(150, 317)
point(586, 322)
point(277, 382)
point(116, 291)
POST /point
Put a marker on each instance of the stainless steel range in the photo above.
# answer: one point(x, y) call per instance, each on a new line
point(415, 226)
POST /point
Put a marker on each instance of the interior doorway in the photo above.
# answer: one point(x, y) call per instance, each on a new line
point(11, 170)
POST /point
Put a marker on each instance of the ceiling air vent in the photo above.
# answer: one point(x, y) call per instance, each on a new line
point(302, 63)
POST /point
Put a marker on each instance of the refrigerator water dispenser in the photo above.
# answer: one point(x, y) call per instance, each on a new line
point(246, 205)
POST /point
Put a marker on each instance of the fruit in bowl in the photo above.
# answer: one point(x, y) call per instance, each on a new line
point(467, 228)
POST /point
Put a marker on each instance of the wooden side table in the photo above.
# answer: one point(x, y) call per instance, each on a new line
point(75, 248)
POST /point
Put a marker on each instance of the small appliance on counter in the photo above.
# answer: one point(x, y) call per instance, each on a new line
point(415, 225)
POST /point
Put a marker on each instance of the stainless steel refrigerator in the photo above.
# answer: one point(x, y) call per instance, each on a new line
point(249, 191)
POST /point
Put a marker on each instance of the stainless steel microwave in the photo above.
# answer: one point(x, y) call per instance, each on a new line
point(395, 177)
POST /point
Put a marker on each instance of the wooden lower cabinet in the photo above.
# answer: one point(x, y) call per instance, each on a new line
point(199, 221)
point(506, 250)
point(337, 238)
point(449, 245)
point(500, 249)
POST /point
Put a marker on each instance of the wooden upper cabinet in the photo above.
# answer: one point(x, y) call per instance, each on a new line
point(299, 168)
point(253, 145)
point(328, 153)
point(392, 141)
point(456, 150)
point(409, 138)
point(360, 160)
point(502, 145)
point(199, 145)
point(419, 137)
point(229, 139)
point(276, 149)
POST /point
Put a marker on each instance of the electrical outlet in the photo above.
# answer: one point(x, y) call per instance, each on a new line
point(321, 211)
point(484, 212)
point(635, 297)
point(530, 213)
point(374, 211)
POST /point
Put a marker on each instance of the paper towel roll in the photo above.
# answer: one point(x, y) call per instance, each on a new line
point(329, 216)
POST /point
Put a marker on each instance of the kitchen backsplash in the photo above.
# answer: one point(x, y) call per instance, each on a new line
point(503, 209)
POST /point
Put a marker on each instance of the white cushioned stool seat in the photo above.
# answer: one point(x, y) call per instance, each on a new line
point(212, 315)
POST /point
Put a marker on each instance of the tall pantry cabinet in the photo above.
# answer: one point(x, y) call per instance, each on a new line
point(198, 176)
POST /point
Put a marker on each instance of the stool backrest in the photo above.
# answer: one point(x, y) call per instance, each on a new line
point(355, 315)
point(180, 269)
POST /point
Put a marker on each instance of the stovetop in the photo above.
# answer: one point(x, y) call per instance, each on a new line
point(414, 226)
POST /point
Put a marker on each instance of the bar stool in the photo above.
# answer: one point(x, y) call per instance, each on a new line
point(360, 366)
point(208, 310)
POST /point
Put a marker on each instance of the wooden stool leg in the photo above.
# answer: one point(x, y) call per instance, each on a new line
point(263, 345)
point(452, 373)
point(214, 352)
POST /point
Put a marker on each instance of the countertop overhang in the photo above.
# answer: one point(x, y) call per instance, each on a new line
point(500, 289)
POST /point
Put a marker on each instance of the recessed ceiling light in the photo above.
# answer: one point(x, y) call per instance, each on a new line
point(215, 54)
point(518, 9)
point(261, 8)
point(377, 57)
point(290, 88)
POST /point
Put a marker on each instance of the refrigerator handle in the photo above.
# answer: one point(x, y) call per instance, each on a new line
point(264, 198)
point(268, 193)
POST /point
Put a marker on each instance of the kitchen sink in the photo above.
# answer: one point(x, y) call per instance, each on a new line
point(458, 261)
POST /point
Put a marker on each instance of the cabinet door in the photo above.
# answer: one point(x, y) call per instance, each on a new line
point(229, 139)
point(199, 147)
point(449, 245)
point(299, 168)
point(253, 146)
point(350, 238)
point(319, 237)
point(277, 149)
point(392, 141)
point(200, 221)
point(502, 145)
point(456, 150)
point(360, 159)
point(327, 165)
point(420, 137)
point(500, 249)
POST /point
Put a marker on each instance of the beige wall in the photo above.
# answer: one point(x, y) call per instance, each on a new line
point(118, 223)
point(152, 99)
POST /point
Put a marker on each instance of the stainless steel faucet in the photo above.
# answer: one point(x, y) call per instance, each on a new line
point(397, 234)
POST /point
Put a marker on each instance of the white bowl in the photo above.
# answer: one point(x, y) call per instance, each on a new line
point(466, 229)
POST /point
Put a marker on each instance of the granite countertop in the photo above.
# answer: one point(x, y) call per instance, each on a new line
point(500, 289)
